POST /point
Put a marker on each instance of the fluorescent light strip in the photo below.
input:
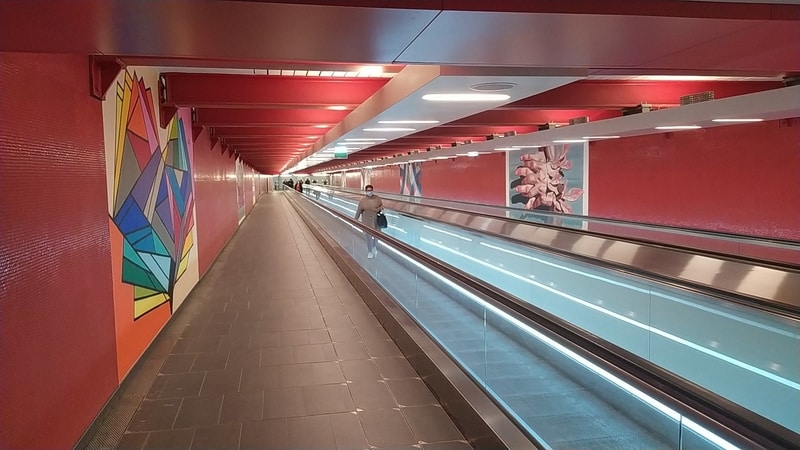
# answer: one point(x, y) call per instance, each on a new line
point(569, 141)
point(678, 127)
point(664, 409)
point(737, 120)
point(601, 137)
point(390, 129)
point(398, 122)
point(365, 139)
point(447, 232)
point(465, 97)
point(672, 337)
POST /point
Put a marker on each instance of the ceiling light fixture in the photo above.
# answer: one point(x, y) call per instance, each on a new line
point(736, 120)
point(472, 154)
point(322, 126)
point(504, 149)
point(389, 129)
point(396, 122)
point(600, 137)
point(365, 139)
point(465, 97)
point(569, 141)
point(678, 127)
point(337, 107)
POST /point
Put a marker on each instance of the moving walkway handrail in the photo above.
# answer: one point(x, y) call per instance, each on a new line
point(705, 407)
point(606, 220)
point(767, 286)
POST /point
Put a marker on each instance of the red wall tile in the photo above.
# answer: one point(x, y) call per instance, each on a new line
point(477, 180)
point(58, 364)
point(738, 178)
point(215, 204)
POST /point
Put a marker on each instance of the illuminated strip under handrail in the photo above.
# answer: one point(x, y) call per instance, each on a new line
point(789, 383)
point(661, 407)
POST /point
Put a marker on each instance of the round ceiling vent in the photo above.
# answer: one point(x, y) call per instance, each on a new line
point(493, 86)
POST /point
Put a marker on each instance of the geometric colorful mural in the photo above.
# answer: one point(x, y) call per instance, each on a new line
point(153, 200)
point(411, 179)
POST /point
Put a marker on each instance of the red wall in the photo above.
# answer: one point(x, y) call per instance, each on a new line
point(480, 179)
point(58, 364)
point(740, 178)
point(215, 205)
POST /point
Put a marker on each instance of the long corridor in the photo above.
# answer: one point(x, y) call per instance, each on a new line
point(275, 349)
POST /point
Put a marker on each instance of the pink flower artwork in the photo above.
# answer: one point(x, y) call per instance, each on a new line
point(542, 180)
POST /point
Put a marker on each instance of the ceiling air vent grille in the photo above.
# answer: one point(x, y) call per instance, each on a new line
point(697, 98)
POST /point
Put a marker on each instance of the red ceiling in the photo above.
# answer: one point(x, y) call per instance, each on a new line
point(267, 119)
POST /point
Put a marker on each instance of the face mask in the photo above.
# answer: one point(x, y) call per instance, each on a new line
point(369, 193)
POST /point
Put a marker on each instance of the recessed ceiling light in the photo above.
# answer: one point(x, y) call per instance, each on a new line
point(311, 137)
point(600, 137)
point(472, 154)
point(338, 108)
point(406, 121)
point(389, 129)
point(322, 126)
point(678, 127)
point(737, 120)
point(365, 139)
point(569, 141)
point(493, 86)
point(465, 97)
point(504, 149)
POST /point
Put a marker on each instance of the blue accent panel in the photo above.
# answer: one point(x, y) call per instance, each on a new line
point(130, 217)
point(176, 192)
point(131, 254)
point(156, 270)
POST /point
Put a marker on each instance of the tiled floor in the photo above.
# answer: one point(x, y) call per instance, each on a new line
point(281, 352)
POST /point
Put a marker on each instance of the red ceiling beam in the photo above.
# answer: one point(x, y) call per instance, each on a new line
point(204, 89)
point(268, 131)
point(223, 117)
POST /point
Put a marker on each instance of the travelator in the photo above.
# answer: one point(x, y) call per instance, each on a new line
point(578, 339)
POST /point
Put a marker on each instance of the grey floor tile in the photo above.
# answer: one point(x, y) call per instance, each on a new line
point(244, 358)
point(382, 348)
point(372, 332)
point(386, 427)
point(242, 406)
point(348, 432)
point(216, 329)
point(360, 370)
point(154, 415)
point(210, 361)
point(338, 321)
point(431, 424)
point(178, 363)
point(395, 368)
point(344, 334)
point(327, 399)
point(309, 374)
point(182, 385)
point(313, 353)
point(411, 392)
point(312, 432)
point(266, 434)
point(284, 402)
point(221, 381)
point(371, 395)
point(168, 440)
point(294, 337)
point(351, 350)
point(198, 412)
point(132, 441)
point(318, 336)
point(277, 356)
point(218, 437)
point(268, 339)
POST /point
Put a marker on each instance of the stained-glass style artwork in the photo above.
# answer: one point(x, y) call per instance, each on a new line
point(152, 197)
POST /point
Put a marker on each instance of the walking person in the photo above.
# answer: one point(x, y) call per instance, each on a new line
point(367, 211)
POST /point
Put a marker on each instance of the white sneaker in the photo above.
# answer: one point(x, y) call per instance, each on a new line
point(370, 255)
